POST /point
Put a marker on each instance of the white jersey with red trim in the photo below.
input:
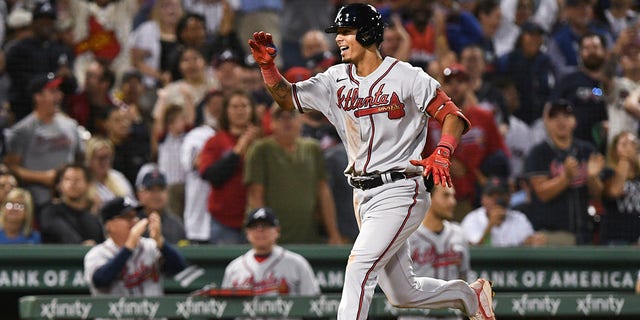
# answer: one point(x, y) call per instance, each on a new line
point(381, 118)
point(141, 276)
point(443, 255)
point(282, 273)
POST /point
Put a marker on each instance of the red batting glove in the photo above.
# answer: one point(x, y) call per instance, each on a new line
point(263, 49)
point(437, 165)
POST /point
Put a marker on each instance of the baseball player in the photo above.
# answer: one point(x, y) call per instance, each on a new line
point(268, 269)
point(380, 108)
point(127, 264)
point(439, 248)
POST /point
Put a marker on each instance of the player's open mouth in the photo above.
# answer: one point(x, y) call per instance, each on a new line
point(343, 50)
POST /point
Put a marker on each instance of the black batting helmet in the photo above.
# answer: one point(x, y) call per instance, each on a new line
point(363, 17)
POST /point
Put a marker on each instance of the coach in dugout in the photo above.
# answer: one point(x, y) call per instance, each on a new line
point(268, 269)
point(127, 264)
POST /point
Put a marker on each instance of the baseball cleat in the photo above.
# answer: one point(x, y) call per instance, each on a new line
point(484, 291)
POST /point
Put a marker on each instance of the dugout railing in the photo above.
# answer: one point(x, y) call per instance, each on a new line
point(531, 282)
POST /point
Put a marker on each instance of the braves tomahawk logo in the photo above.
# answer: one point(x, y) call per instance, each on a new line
point(377, 103)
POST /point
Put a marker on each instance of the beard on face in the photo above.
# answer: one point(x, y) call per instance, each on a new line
point(593, 62)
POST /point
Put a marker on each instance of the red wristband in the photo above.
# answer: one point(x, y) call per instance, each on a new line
point(270, 74)
point(448, 141)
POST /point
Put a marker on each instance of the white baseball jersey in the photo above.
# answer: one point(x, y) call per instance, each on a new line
point(197, 220)
point(511, 232)
point(443, 255)
point(381, 117)
point(282, 273)
point(140, 277)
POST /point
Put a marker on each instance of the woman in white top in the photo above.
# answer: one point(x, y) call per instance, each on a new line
point(152, 40)
point(107, 183)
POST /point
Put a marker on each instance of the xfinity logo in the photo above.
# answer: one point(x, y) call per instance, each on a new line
point(53, 309)
point(323, 306)
point(590, 304)
point(524, 305)
point(143, 308)
point(209, 307)
point(268, 307)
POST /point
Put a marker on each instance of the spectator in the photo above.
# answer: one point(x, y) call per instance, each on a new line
point(19, 24)
point(209, 109)
point(5, 85)
point(87, 106)
point(191, 31)
point(298, 17)
point(335, 155)
point(511, 22)
point(101, 30)
point(564, 42)
point(42, 141)
point(462, 28)
point(531, 72)
point(620, 223)
point(482, 148)
point(623, 96)
point(128, 264)
point(563, 172)
point(131, 145)
point(284, 164)
point(426, 27)
point(169, 157)
point(619, 16)
point(228, 68)
point(152, 42)
point(518, 135)
point(265, 15)
point(584, 90)
point(8, 182)
point(543, 12)
point(219, 15)
point(152, 194)
point(316, 51)
point(68, 220)
point(496, 225)
point(107, 182)
point(489, 15)
point(473, 58)
point(222, 165)
point(16, 218)
point(197, 220)
point(268, 269)
point(196, 81)
point(35, 55)
point(439, 248)
point(397, 43)
point(132, 95)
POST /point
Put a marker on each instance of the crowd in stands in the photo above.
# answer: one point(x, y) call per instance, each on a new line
point(160, 102)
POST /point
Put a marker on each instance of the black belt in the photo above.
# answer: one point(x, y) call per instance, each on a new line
point(376, 180)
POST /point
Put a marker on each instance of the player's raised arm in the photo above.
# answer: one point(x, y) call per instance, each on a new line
point(264, 52)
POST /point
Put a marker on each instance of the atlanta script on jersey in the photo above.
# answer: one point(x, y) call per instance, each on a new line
point(140, 276)
point(381, 118)
point(282, 273)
